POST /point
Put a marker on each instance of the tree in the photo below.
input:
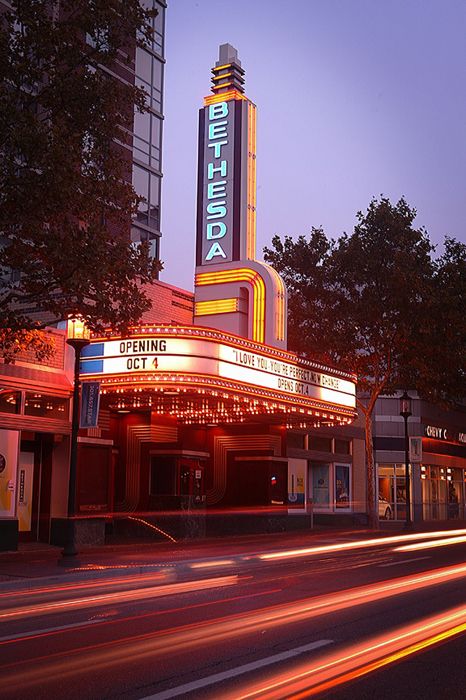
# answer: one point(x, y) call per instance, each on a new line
point(442, 370)
point(65, 200)
point(364, 302)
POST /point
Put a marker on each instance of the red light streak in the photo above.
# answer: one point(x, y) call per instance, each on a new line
point(360, 544)
point(430, 544)
point(117, 597)
point(107, 655)
point(358, 659)
point(156, 613)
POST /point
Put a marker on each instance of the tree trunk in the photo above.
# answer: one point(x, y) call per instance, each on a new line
point(372, 511)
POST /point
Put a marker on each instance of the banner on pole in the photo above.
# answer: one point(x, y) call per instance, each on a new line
point(90, 399)
point(415, 450)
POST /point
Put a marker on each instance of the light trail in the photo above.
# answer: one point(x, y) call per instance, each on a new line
point(360, 544)
point(135, 579)
point(117, 597)
point(355, 660)
point(210, 564)
point(102, 622)
point(430, 544)
point(99, 657)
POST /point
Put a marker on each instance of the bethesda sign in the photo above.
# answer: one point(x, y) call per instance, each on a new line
point(218, 183)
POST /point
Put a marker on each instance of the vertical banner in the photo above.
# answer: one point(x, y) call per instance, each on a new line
point(90, 400)
point(24, 492)
point(415, 450)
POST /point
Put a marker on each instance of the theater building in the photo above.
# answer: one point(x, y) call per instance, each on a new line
point(202, 407)
point(201, 411)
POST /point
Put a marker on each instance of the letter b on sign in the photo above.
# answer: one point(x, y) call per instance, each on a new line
point(218, 111)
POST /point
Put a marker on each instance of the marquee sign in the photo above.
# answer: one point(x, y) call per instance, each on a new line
point(217, 358)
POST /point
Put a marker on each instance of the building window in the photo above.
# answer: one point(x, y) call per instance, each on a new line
point(147, 186)
point(10, 401)
point(392, 492)
point(158, 23)
point(320, 484)
point(45, 406)
point(342, 486)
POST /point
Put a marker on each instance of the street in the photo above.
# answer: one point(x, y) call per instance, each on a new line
point(349, 615)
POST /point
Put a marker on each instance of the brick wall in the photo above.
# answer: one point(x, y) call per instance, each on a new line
point(169, 304)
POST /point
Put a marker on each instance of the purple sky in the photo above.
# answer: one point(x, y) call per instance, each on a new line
point(356, 98)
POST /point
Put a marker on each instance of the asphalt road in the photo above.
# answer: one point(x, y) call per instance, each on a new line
point(344, 618)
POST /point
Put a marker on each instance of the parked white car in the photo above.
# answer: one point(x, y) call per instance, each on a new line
point(385, 509)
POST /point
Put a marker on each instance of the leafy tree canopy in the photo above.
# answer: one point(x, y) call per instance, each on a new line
point(65, 203)
point(378, 303)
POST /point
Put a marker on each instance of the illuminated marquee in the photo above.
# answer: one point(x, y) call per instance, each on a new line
point(218, 359)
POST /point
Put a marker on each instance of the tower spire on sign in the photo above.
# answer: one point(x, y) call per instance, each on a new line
point(227, 73)
point(234, 292)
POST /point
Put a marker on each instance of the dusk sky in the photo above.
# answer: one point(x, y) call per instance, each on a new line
point(356, 98)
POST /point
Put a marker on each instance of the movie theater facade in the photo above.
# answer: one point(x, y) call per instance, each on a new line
point(203, 407)
point(194, 412)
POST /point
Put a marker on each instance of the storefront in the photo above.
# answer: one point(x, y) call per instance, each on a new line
point(331, 466)
point(34, 444)
point(438, 461)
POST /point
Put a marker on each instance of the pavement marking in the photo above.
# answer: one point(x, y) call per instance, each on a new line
point(403, 561)
point(46, 630)
point(238, 670)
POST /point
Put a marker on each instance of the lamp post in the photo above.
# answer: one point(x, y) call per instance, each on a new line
point(78, 337)
point(405, 412)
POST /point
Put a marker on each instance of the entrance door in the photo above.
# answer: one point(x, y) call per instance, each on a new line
point(25, 490)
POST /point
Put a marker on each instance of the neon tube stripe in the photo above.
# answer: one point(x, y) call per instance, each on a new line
point(280, 319)
point(216, 306)
point(251, 180)
point(223, 97)
point(258, 286)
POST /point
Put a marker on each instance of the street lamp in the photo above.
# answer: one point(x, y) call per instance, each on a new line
point(78, 336)
point(405, 412)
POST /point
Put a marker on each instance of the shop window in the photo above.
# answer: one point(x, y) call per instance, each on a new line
point(320, 485)
point(392, 491)
point(10, 401)
point(342, 486)
point(45, 406)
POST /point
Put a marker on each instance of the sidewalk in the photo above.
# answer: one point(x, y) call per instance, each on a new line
point(37, 561)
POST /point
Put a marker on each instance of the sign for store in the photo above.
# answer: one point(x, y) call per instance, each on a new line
point(439, 433)
point(214, 359)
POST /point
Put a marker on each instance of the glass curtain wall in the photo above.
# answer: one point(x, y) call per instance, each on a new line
point(147, 134)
